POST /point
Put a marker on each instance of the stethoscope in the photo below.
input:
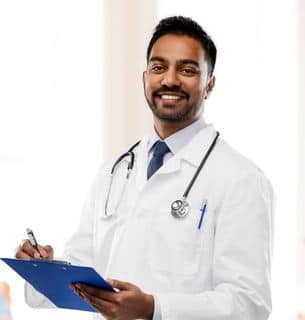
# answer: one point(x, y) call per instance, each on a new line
point(179, 208)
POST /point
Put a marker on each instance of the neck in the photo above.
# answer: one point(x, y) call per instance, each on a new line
point(167, 128)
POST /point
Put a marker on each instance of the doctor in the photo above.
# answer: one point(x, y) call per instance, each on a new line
point(211, 261)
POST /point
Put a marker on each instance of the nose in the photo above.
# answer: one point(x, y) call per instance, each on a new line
point(170, 78)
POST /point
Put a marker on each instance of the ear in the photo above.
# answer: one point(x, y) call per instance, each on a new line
point(210, 86)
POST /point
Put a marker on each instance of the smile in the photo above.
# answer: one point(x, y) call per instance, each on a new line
point(170, 97)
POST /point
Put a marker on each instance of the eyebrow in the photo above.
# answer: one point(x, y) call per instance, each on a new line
point(182, 61)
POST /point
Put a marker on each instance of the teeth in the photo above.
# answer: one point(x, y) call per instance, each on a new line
point(169, 97)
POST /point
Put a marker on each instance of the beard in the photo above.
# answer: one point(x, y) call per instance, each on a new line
point(187, 113)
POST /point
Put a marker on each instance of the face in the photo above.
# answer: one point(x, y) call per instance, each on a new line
point(176, 81)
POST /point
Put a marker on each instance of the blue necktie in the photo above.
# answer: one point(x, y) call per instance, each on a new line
point(160, 149)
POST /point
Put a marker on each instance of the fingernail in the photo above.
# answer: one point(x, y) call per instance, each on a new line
point(43, 253)
point(36, 255)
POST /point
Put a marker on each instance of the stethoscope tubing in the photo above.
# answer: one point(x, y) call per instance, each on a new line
point(130, 154)
point(130, 166)
point(203, 161)
point(181, 204)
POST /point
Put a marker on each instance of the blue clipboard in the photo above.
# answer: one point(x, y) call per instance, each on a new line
point(53, 280)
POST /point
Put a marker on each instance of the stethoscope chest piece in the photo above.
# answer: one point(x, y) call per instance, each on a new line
point(180, 208)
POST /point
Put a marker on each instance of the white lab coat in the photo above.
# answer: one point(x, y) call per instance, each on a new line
point(220, 271)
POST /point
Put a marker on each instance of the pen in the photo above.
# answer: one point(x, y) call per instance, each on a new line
point(202, 210)
point(33, 240)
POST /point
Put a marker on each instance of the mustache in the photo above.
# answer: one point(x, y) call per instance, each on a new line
point(170, 90)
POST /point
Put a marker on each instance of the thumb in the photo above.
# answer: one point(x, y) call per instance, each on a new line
point(46, 252)
point(121, 285)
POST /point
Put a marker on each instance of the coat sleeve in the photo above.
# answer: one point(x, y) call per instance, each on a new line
point(242, 259)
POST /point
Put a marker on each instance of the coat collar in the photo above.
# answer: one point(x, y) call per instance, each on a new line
point(179, 139)
point(192, 153)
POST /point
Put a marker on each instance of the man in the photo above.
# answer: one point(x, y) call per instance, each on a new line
point(209, 262)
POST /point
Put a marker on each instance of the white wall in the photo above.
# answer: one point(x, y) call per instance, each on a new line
point(50, 124)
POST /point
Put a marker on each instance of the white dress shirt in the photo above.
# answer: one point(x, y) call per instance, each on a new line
point(176, 141)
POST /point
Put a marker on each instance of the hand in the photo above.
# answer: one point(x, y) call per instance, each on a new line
point(127, 304)
point(26, 251)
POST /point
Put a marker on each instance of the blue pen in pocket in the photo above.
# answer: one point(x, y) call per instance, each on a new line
point(202, 212)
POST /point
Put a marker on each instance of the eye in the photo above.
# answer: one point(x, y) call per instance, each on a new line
point(188, 71)
point(157, 68)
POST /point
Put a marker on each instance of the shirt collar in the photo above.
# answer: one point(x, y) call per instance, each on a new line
point(179, 139)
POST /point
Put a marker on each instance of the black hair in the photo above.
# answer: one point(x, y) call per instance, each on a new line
point(180, 25)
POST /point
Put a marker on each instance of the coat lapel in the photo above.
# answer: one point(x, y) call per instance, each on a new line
point(192, 153)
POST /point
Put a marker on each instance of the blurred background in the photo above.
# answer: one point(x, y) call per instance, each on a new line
point(71, 96)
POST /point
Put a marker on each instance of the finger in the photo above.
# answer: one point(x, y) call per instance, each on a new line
point(103, 306)
point(97, 292)
point(46, 252)
point(107, 308)
point(30, 250)
point(18, 251)
point(121, 285)
point(26, 251)
point(19, 254)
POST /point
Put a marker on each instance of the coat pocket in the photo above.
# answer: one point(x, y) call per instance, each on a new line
point(176, 245)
